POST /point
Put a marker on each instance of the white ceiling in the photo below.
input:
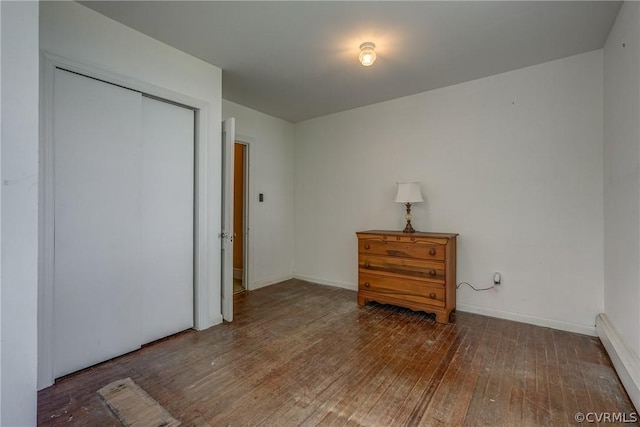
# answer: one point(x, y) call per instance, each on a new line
point(298, 60)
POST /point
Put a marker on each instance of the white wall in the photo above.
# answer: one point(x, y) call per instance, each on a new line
point(72, 31)
point(271, 156)
point(622, 175)
point(19, 222)
point(512, 162)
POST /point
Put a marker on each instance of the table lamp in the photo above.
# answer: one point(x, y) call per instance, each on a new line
point(409, 192)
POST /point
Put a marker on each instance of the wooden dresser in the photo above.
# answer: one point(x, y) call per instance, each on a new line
point(416, 271)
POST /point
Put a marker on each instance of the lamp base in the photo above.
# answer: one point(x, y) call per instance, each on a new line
point(409, 227)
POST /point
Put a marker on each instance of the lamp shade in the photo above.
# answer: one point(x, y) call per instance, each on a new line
point(409, 192)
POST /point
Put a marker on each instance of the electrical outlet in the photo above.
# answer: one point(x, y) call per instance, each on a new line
point(497, 278)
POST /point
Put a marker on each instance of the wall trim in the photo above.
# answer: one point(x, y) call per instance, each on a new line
point(215, 319)
point(532, 320)
point(269, 282)
point(249, 210)
point(350, 286)
point(624, 360)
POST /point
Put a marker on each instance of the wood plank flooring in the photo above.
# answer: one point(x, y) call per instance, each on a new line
point(300, 354)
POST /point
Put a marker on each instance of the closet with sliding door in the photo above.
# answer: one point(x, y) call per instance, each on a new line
point(123, 197)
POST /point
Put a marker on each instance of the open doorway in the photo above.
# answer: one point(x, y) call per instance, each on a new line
point(240, 184)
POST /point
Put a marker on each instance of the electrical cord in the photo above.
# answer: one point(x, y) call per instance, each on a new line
point(472, 287)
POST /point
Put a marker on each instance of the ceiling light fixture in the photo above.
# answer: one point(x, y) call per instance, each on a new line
point(367, 54)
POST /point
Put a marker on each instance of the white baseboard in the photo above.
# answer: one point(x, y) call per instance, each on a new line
point(625, 361)
point(269, 282)
point(533, 320)
point(215, 320)
point(350, 286)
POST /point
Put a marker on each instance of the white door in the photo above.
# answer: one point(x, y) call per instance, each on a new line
point(167, 175)
point(97, 239)
point(123, 244)
point(228, 140)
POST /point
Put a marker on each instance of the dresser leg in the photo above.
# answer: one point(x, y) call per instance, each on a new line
point(442, 317)
point(361, 300)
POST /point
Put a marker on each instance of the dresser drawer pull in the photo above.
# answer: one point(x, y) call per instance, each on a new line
point(367, 247)
point(366, 284)
point(432, 273)
point(432, 251)
point(367, 265)
point(432, 295)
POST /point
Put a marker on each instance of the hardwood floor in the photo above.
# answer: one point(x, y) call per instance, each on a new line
point(305, 354)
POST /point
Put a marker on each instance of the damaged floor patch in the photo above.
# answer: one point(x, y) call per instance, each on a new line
point(134, 407)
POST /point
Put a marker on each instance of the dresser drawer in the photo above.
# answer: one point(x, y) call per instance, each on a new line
point(410, 267)
point(413, 249)
point(405, 289)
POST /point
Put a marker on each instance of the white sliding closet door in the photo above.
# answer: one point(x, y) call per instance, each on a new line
point(97, 275)
point(167, 214)
point(124, 204)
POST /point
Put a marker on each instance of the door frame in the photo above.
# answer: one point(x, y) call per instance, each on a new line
point(228, 140)
point(202, 245)
point(248, 217)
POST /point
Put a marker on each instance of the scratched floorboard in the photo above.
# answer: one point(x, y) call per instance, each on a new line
point(305, 354)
